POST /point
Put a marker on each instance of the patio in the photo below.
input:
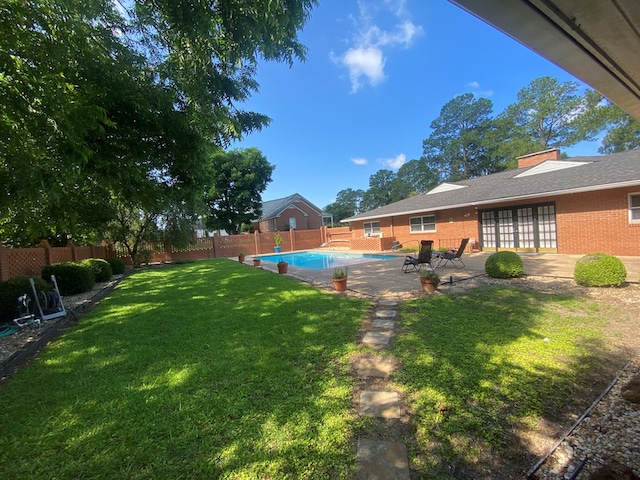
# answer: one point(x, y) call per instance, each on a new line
point(385, 280)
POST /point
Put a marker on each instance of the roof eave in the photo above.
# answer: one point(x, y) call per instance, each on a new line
point(569, 191)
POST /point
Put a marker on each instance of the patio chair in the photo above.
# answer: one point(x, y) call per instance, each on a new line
point(413, 264)
point(453, 256)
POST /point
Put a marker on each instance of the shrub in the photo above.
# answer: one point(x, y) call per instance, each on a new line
point(599, 270)
point(12, 289)
point(101, 269)
point(72, 277)
point(117, 265)
point(504, 265)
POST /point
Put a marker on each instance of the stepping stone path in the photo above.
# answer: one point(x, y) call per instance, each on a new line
point(380, 459)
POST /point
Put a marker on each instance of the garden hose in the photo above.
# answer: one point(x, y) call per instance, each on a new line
point(6, 330)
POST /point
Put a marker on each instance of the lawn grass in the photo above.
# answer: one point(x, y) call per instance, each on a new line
point(478, 366)
point(205, 370)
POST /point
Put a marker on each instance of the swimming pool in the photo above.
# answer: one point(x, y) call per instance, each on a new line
point(322, 260)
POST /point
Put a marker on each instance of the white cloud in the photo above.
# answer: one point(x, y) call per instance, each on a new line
point(359, 161)
point(474, 86)
point(395, 162)
point(367, 62)
point(365, 57)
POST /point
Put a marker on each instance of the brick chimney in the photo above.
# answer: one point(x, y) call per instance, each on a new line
point(535, 158)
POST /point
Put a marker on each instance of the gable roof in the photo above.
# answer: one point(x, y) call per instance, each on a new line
point(580, 174)
point(274, 208)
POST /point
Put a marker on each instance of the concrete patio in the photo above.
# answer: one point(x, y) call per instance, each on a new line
point(384, 279)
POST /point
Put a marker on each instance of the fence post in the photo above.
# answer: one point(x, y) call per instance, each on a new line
point(292, 239)
point(47, 251)
point(3, 263)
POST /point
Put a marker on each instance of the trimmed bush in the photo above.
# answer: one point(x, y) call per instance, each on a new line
point(504, 265)
point(599, 270)
point(72, 277)
point(12, 289)
point(117, 265)
point(101, 269)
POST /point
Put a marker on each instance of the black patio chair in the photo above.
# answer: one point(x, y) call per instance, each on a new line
point(425, 255)
point(453, 256)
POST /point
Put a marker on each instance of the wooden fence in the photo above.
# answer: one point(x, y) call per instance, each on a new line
point(29, 261)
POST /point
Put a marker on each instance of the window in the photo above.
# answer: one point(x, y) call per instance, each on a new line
point(292, 223)
point(371, 228)
point(634, 207)
point(422, 224)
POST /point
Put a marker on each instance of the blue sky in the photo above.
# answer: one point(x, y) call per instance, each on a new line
point(377, 74)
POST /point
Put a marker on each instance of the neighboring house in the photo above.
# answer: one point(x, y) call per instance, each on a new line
point(292, 212)
point(573, 206)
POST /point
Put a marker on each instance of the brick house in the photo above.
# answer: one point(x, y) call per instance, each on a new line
point(292, 212)
point(572, 206)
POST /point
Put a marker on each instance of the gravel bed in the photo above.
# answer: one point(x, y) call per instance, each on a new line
point(609, 433)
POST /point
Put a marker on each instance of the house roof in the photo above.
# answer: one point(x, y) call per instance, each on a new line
point(274, 208)
point(550, 178)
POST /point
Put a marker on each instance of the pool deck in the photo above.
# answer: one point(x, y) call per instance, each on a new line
point(384, 279)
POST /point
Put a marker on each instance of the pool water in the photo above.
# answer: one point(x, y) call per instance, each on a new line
point(322, 260)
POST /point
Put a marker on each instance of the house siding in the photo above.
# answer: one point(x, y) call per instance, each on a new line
point(307, 218)
point(586, 222)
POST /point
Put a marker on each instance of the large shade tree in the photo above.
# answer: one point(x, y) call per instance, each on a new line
point(105, 103)
point(457, 147)
point(237, 179)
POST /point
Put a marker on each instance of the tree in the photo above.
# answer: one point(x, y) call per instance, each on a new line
point(414, 177)
point(548, 114)
point(379, 192)
point(100, 105)
point(347, 204)
point(456, 149)
point(237, 179)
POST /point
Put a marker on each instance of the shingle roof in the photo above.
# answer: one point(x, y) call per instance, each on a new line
point(589, 174)
point(273, 208)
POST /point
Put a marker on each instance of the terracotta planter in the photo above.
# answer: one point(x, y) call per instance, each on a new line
point(256, 262)
point(340, 284)
point(428, 286)
point(241, 258)
point(283, 267)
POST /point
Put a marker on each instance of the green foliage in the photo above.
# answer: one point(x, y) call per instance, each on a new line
point(504, 265)
point(346, 205)
point(117, 265)
point(15, 287)
point(599, 270)
point(72, 277)
point(101, 269)
point(236, 181)
point(340, 272)
point(458, 148)
point(430, 275)
point(277, 239)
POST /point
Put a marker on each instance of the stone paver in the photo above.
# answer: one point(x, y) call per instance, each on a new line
point(377, 338)
point(383, 323)
point(382, 460)
point(379, 404)
point(388, 303)
point(374, 366)
point(386, 313)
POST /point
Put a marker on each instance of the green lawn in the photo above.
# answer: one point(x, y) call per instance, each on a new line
point(220, 370)
point(206, 370)
point(480, 365)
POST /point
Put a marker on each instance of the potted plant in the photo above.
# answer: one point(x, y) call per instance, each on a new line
point(256, 262)
point(241, 256)
point(429, 280)
point(277, 240)
point(340, 278)
point(283, 266)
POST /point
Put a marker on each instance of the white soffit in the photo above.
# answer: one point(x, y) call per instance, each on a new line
point(550, 166)
point(445, 187)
